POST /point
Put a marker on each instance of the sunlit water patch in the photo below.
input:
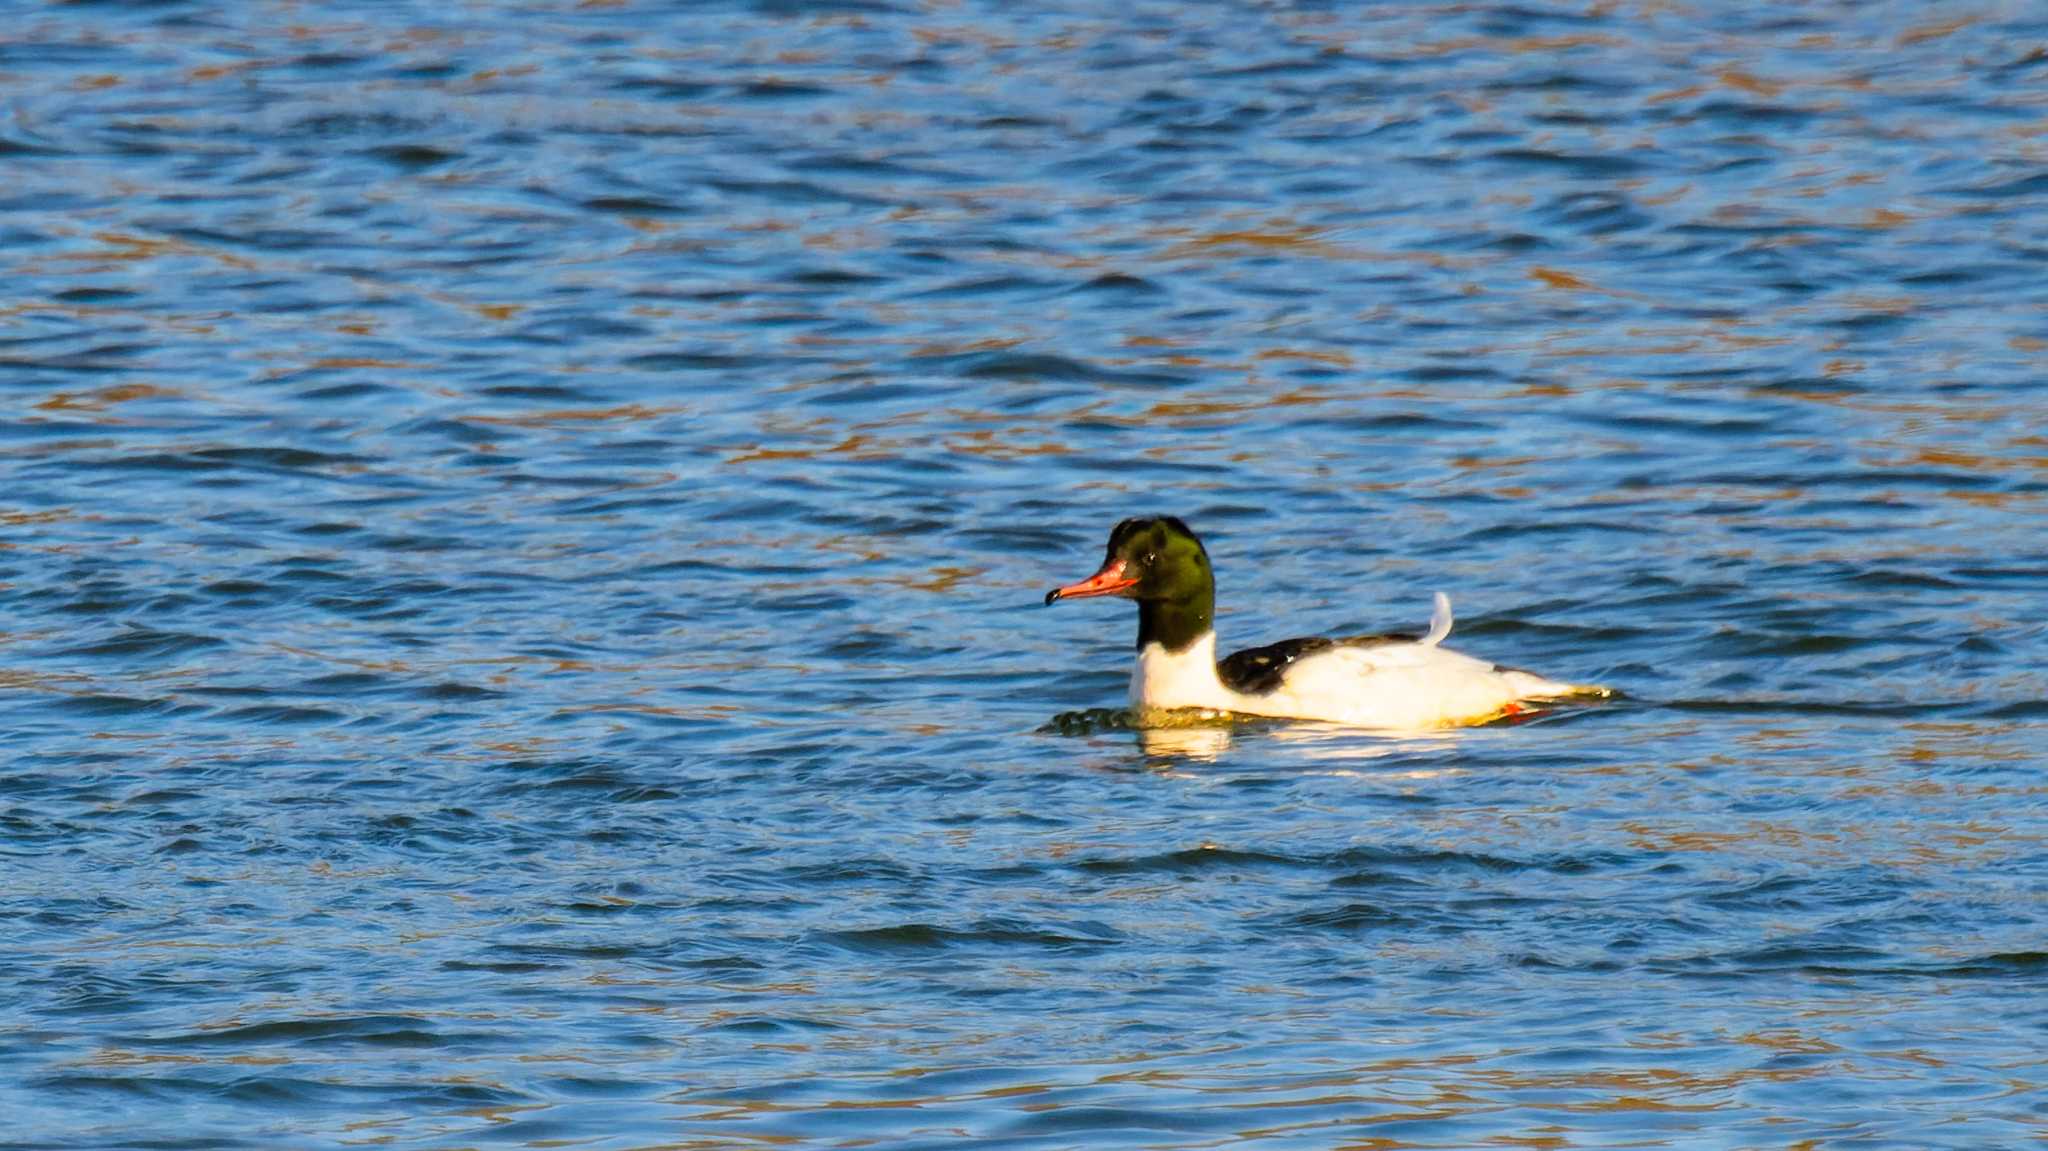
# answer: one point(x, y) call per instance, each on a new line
point(521, 535)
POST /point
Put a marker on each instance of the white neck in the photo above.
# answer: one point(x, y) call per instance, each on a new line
point(1185, 678)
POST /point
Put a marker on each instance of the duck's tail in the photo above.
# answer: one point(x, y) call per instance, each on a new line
point(1525, 684)
point(1439, 621)
point(1529, 685)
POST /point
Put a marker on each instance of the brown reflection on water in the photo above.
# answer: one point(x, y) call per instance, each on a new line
point(577, 415)
point(1400, 1090)
point(101, 399)
point(1185, 245)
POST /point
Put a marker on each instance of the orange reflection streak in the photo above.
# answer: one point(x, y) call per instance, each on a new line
point(578, 415)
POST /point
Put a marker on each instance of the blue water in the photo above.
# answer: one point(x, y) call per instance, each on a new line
point(522, 530)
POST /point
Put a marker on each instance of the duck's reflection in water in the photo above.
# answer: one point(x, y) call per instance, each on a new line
point(1206, 737)
point(1174, 738)
point(1335, 743)
point(1200, 744)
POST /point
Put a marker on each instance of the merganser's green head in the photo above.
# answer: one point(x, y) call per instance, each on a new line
point(1158, 562)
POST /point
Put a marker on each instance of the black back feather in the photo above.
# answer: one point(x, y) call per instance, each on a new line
point(1259, 670)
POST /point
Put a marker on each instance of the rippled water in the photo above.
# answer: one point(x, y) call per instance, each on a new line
point(521, 531)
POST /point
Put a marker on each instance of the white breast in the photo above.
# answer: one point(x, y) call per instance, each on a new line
point(1166, 679)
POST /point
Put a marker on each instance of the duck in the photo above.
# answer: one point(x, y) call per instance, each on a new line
point(1397, 682)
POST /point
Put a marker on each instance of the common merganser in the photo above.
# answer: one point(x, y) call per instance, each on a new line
point(1382, 681)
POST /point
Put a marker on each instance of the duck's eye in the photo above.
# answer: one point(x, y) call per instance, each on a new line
point(1151, 558)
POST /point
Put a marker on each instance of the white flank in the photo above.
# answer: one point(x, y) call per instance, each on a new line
point(1397, 686)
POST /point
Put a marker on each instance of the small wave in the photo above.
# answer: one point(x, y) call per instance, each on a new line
point(1999, 963)
point(931, 937)
point(112, 705)
point(145, 642)
point(367, 1030)
point(282, 715)
point(1186, 860)
point(414, 157)
point(1345, 918)
point(772, 1025)
point(1119, 284)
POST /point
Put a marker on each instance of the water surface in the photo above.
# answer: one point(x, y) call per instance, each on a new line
point(522, 528)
